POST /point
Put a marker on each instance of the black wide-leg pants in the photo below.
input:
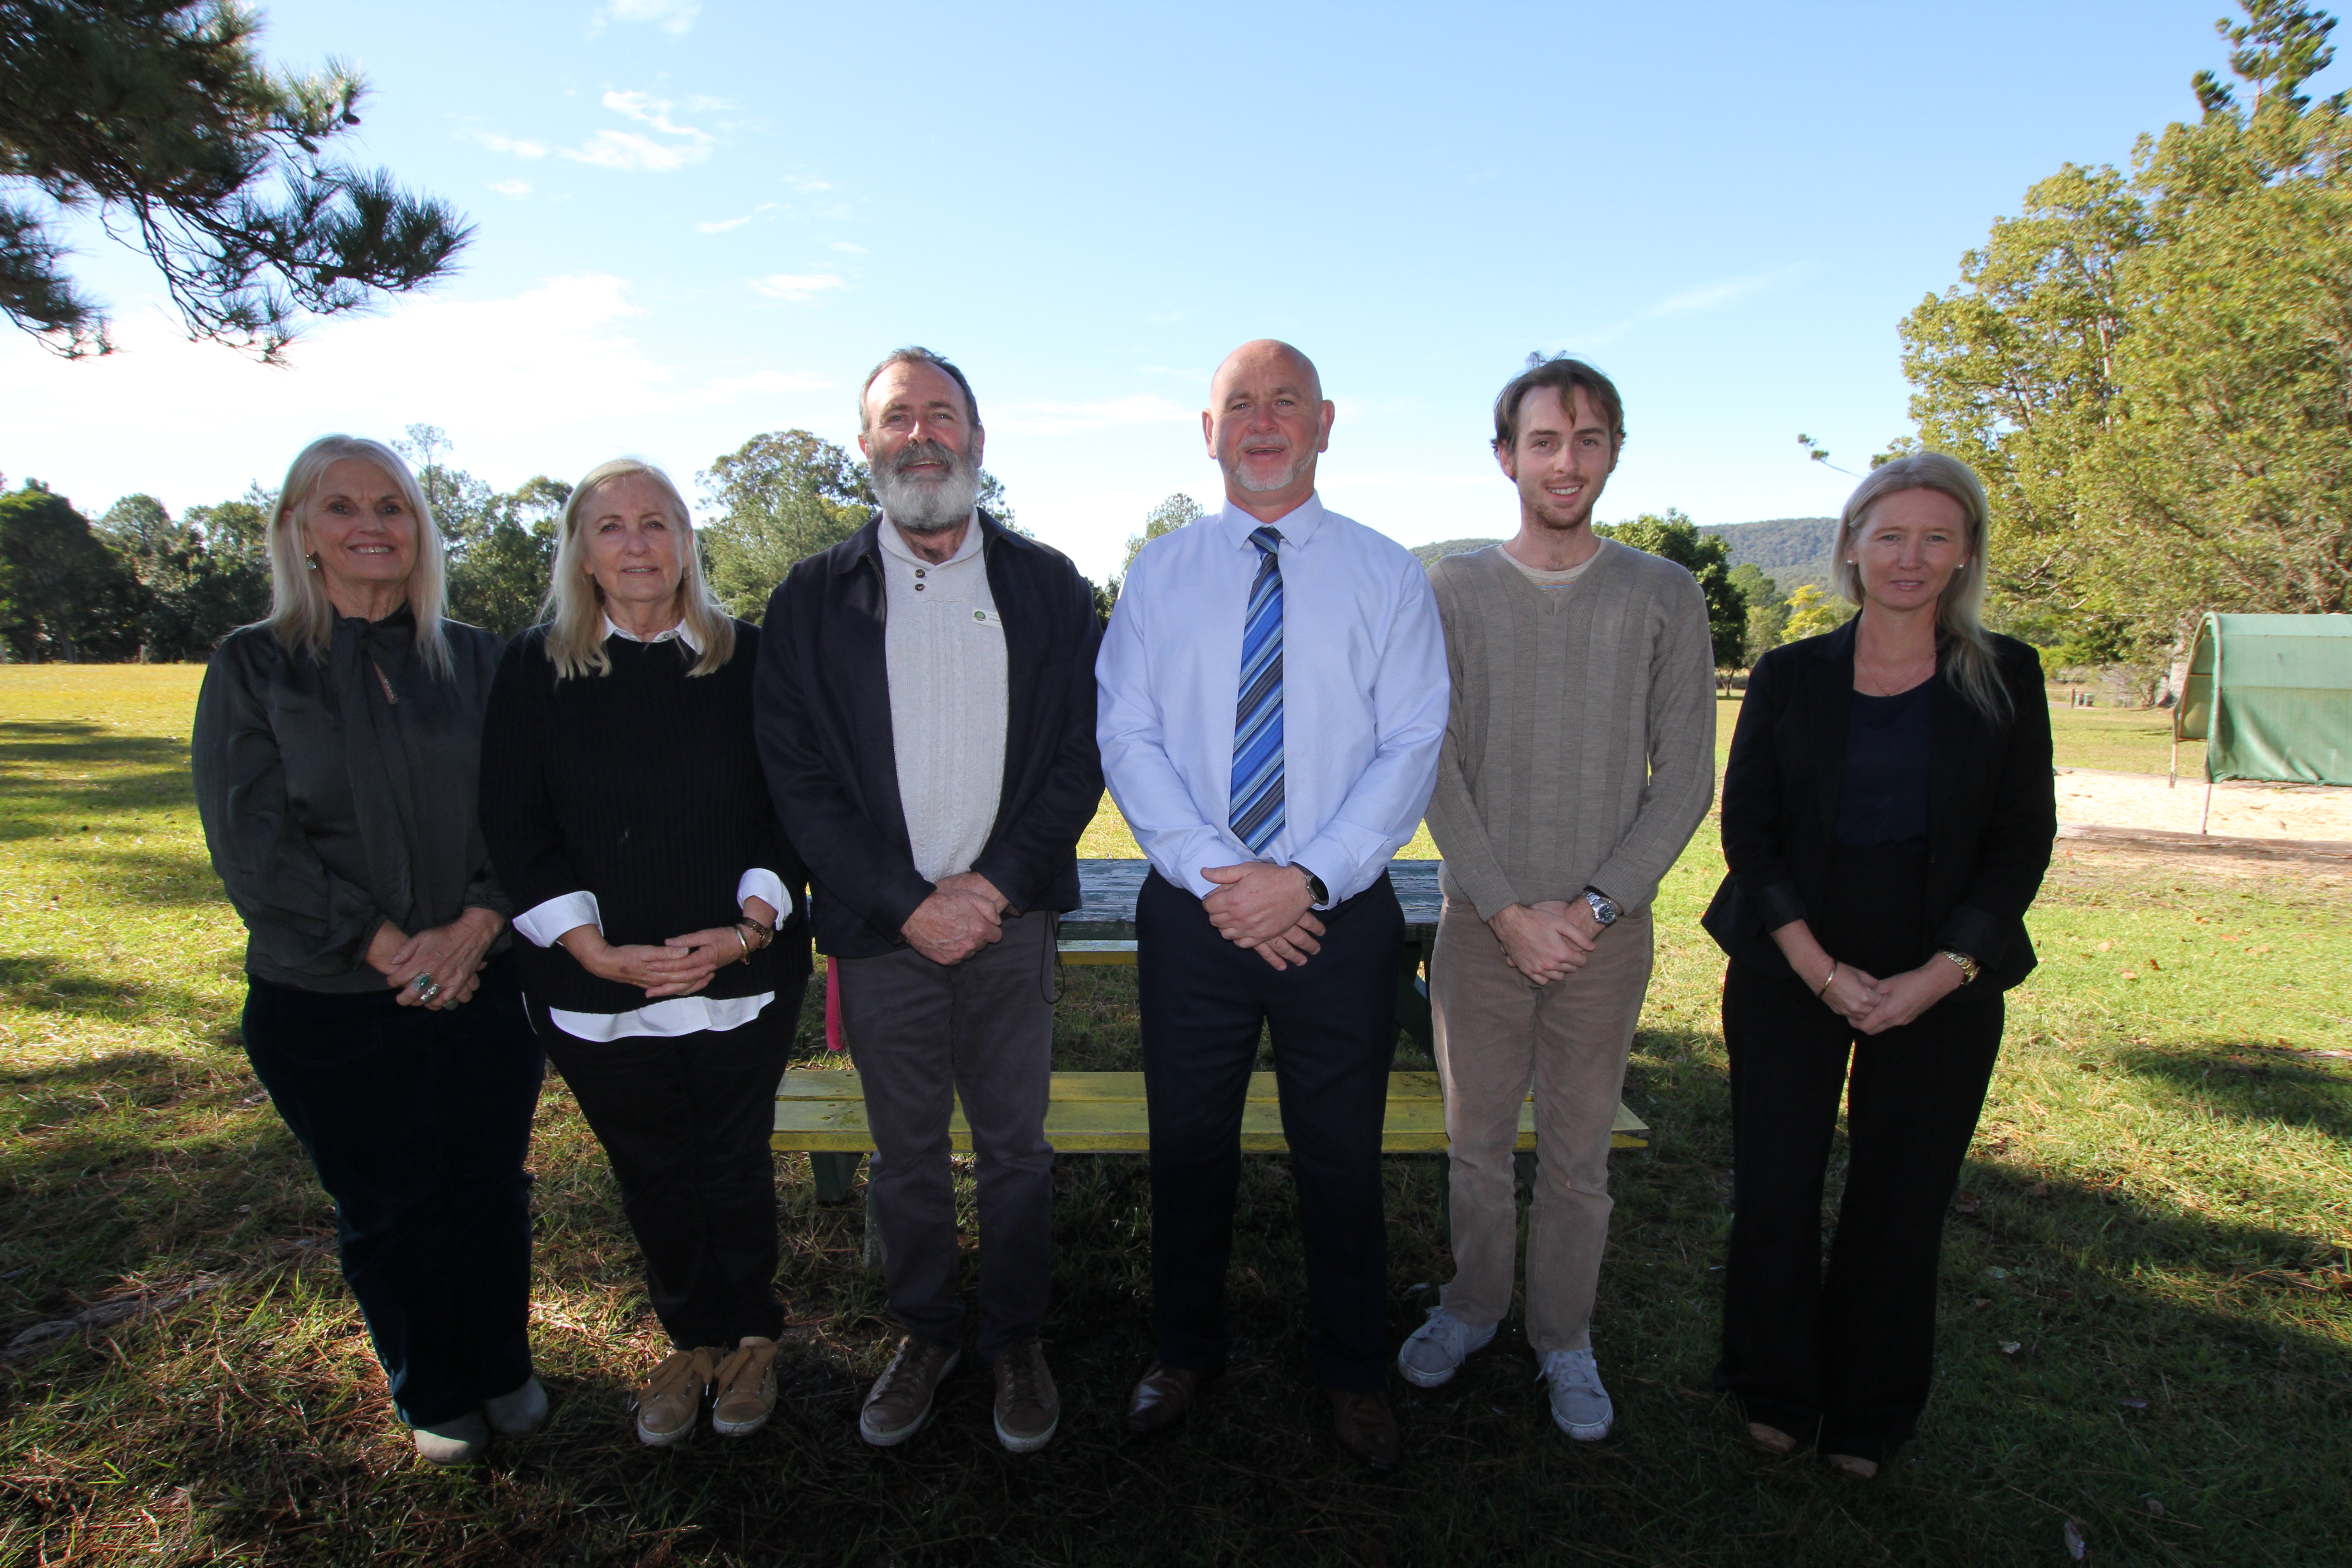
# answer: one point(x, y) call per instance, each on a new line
point(1333, 1025)
point(416, 1120)
point(1846, 1356)
point(686, 1119)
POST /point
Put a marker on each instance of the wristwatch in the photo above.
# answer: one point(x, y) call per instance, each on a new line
point(1317, 893)
point(1604, 908)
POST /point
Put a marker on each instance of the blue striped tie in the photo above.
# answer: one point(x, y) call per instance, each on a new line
point(1256, 814)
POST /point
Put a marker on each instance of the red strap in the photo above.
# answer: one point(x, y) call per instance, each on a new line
point(832, 1005)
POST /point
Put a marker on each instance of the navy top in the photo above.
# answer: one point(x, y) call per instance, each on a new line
point(1883, 800)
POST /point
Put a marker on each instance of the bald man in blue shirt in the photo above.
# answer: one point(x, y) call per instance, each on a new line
point(1273, 697)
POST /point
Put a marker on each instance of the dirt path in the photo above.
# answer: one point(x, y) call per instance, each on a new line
point(2088, 797)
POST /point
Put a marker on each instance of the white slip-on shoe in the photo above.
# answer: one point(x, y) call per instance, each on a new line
point(523, 1410)
point(1437, 1349)
point(1579, 1403)
point(457, 1441)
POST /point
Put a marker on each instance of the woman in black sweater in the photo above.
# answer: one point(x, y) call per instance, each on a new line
point(334, 754)
point(625, 807)
point(1887, 818)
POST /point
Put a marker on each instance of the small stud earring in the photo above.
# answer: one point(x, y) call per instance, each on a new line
point(313, 559)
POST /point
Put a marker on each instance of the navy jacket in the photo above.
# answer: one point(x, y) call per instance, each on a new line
point(820, 701)
point(1992, 807)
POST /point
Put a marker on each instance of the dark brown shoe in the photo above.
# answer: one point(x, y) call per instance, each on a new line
point(1365, 1427)
point(1163, 1398)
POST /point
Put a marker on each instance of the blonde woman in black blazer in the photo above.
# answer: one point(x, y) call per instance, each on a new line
point(1887, 818)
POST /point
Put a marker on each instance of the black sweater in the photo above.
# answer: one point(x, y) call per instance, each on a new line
point(642, 787)
point(824, 698)
point(330, 808)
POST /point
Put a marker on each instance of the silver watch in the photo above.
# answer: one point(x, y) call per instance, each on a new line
point(1604, 909)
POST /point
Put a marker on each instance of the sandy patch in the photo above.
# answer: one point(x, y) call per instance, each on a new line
point(2239, 810)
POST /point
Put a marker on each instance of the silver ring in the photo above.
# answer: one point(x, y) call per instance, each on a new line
point(430, 992)
point(423, 980)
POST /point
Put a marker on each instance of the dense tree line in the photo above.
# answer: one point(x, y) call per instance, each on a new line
point(2153, 370)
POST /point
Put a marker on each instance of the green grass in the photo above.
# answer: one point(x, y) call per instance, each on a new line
point(2155, 1216)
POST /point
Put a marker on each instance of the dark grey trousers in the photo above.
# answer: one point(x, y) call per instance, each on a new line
point(921, 1034)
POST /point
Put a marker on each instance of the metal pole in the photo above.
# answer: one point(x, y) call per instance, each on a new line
point(2209, 807)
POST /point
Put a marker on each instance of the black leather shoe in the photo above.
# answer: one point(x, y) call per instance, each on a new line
point(1163, 1398)
point(1366, 1428)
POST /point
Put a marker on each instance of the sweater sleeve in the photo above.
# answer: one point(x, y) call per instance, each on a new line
point(301, 915)
point(1680, 725)
point(518, 810)
point(1455, 822)
point(2013, 854)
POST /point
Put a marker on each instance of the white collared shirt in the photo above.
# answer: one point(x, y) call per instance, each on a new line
point(672, 1016)
point(1364, 692)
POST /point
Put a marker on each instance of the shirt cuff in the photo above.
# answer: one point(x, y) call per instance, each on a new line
point(543, 923)
point(759, 882)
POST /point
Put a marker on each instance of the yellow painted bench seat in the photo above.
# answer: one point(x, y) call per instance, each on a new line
point(824, 1110)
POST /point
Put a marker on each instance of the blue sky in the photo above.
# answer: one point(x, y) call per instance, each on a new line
point(699, 222)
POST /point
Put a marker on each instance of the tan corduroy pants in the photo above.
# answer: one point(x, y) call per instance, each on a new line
point(1497, 1035)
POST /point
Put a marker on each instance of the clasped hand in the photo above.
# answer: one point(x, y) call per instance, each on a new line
point(679, 967)
point(1874, 1007)
point(962, 914)
point(1544, 941)
point(451, 954)
point(1266, 909)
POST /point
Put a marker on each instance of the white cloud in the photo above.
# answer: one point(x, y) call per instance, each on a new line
point(672, 16)
point(1047, 417)
point(547, 375)
point(517, 189)
point(1695, 302)
point(723, 225)
point(626, 151)
point(498, 144)
point(798, 287)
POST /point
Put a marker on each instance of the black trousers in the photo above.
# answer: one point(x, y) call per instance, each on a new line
point(1334, 1026)
point(923, 1034)
point(685, 1120)
point(416, 1120)
point(1845, 1357)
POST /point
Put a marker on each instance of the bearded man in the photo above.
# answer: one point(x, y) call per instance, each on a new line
point(926, 711)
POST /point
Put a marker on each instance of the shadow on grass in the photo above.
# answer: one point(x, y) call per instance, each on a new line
point(44, 983)
point(2251, 1083)
point(128, 773)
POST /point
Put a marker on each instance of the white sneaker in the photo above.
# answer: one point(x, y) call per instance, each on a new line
point(1437, 1348)
point(524, 1410)
point(1579, 1405)
point(457, 1441)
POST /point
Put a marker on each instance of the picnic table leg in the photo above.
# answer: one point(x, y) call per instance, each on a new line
point(1523, 1165)
point(875, 1252)
point(833, 1172)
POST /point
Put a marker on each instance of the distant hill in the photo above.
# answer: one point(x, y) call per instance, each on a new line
point(1793, 550)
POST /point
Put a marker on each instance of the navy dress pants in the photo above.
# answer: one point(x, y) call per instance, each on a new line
point(418, 1121)
point(1333, 1020)
point(686, 1119)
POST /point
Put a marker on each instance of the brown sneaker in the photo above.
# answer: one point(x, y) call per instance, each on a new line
point(900, 1400)
point(743, 1389)
point(672, 1398)
point(1027, 1407)
point(1365, 1427)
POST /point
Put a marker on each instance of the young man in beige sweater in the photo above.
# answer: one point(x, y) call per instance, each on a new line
point(1579, 759)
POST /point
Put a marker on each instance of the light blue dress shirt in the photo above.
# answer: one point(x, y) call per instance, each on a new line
point(1364, 693)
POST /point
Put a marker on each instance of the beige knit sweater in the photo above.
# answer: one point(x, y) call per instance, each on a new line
point(1580, 747)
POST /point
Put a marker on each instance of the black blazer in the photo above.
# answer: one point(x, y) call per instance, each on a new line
point(821, 707)
point(1991, 808)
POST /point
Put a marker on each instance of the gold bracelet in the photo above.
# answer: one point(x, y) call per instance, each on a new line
point(1969, 967)
point(1825, 981)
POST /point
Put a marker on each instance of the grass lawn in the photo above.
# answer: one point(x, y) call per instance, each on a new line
point(2147, 1309)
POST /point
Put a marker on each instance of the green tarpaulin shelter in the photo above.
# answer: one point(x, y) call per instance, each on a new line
point(2271, 695)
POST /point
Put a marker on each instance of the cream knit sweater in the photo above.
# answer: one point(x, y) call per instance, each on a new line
point(944, 646)
point(1581, 744)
